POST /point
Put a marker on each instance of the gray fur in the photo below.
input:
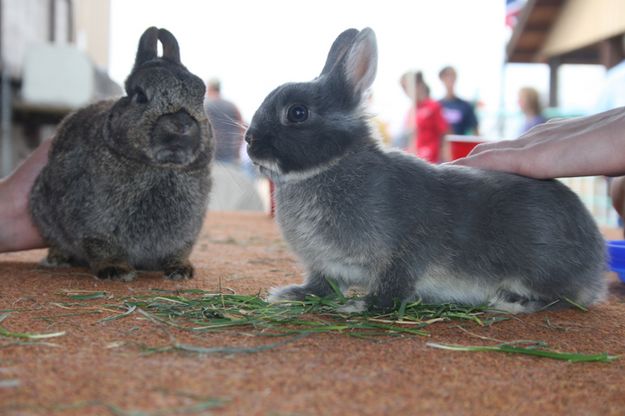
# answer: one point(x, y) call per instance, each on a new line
point(127, 182)
point(403, 229)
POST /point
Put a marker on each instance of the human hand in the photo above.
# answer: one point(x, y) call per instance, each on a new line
point(17, 232)
point(583, 146)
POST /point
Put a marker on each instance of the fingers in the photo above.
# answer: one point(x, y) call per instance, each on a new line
point(498, 145)
point(617, 193)
point(515, 161)
point(489, 159)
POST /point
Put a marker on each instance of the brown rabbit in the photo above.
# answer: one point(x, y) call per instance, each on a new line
point(127, 182)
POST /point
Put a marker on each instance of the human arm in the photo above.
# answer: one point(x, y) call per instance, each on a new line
point(17, 232)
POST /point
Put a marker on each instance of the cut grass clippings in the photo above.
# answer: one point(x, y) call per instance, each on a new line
point(201, 311)
point(197, 311)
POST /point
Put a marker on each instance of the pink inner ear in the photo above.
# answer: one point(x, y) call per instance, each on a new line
point(358, 66)
point(362, 65)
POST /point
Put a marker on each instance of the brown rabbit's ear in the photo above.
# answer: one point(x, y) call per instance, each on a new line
point(147, 46)
point(171, 50)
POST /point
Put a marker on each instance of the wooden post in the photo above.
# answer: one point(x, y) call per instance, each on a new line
point(554, 65)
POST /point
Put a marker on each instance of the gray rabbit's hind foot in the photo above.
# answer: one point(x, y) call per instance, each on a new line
point(513, 302)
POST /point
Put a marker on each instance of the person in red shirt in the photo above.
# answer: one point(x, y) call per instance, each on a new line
point(431, 125)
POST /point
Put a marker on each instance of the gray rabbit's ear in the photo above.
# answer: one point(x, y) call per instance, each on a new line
point(171, 50)
point(361, 62)
point(147, 46)
point(338, 50)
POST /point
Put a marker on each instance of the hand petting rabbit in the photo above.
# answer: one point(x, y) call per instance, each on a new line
point(127, 182)
point(403, 229)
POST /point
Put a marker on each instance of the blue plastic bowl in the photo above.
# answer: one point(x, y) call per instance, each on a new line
point(616, 252)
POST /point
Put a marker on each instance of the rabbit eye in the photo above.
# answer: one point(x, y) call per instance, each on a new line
point(297, 113)
point(140, 96)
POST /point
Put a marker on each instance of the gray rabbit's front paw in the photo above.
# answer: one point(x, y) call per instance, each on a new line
point(286, 293)
point(353, 306)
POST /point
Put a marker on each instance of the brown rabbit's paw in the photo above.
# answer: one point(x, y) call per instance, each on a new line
point(56, 258)
point(182, 272)
point(50, 262)
point(116, 273)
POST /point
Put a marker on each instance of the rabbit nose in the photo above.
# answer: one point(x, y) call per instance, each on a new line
point(249, 138)
point(179, 123)
point(175, 139)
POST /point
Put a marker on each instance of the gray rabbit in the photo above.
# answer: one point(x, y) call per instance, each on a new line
point(127, 182)
point(402, 229)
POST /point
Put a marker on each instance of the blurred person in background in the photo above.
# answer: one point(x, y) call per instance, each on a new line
point(405, 139)
point(232, 190)
point(529, 103)
point(227, 124)
point(459, 114)
point(428, 118)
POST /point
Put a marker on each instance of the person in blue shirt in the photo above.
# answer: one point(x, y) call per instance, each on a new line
point(459, 113)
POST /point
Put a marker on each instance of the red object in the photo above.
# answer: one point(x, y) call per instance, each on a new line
point(460, 146)
point(431, 126)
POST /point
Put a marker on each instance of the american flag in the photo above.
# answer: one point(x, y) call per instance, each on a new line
point(513, 9)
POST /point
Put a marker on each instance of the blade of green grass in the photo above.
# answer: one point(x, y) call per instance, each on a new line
point(29, 343)
point(577, 305)
point(335, 288)
point(176, 346)
point(6, 333)
point(130, 310)
point(200, 406)
point(534, 351)
point(86, 295)
point(401, 311)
